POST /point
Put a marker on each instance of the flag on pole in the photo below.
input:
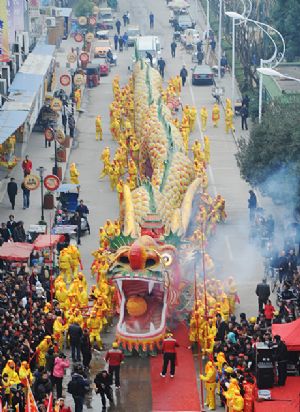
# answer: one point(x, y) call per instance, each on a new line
point(50, 403)
point(31, 405)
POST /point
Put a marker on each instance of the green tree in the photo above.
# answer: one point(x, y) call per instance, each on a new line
point(286, 18)
point(270, 159)
point(84, 8)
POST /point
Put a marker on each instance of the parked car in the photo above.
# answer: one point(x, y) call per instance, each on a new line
point(103, 64)
point(106, 19)
point(202, 75)
point(183, 22)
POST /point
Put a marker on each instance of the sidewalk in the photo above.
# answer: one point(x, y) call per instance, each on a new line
point(40, 156)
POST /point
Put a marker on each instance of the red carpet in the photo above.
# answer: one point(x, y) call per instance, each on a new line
point(284, 398)
point(179, 393)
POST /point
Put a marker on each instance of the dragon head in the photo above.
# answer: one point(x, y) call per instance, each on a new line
point(147, 276)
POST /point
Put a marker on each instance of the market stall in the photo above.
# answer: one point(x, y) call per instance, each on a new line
point(16, 251)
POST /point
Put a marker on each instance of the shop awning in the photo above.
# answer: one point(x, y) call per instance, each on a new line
point(47, 241)
point(25, 82)
point(16, 252)
point(10, 121)
point(39, 61)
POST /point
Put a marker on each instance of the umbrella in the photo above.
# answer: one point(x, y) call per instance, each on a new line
point(178, 4)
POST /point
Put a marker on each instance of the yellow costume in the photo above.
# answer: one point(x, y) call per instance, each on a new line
point(204, 116)
point(210, 385)
point(58, 331)
point(75, 259)
point(105, 157)
point(206, 149)
point(229, 120)
point(25, 374)
point(215, 115)
point(42, 349)
point(74, 174)
point(9, 369)
point(65, 265)
point(99, 132)
point(94, 325)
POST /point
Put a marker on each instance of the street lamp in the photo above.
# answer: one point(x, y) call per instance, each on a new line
point(234, 16)
point(41, 170)
point(207, 18)
point(273, 61)
point(220, 38)
point(267, 71)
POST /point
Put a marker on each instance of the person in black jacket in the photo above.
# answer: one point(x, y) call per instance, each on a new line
point(75, 333)
point(76, 220)
point(252, 205)
point(11, 224)
point(244, 116)
point(103, 382)
point(183, 74)
point(19, 234)
point(12, 190)
point(281, 356)
point(263, 293)
point(222, 328)
point(86, 348)
point(78, 387)
point(5, 233)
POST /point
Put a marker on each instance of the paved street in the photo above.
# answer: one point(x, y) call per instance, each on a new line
point(231, 250)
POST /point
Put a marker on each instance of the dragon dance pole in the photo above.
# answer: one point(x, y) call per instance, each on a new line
point(51, 265)
point(197, 328)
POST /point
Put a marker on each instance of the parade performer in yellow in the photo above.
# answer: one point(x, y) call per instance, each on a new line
point(210, 385)
point(204, 116)
point(82, 280)
point(25, 374)
point(229, 120)
point(83, 297)
point(206, 149)
point(231, 291)
point(65, 265)
point(74, 174)
point(75, 259)
point(10, 370)
point(58, 331)
point(94, 325)
point(42, 349)
point(99, 131)
point(109, 228)
point(77, 97)
point(192, 117)
point(211, 334)
point(215, 115)
point(237, 402)
point(105, 157)
point(228, 104)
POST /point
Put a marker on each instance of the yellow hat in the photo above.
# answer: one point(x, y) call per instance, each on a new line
point(229, 370)
point(115, 345)
point(252, 319)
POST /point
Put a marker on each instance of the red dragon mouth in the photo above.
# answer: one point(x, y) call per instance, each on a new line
point(152, 320)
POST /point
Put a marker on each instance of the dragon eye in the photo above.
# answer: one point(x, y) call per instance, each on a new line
point(167, 258)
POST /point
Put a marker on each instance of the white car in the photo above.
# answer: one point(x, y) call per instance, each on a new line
point(190, 36)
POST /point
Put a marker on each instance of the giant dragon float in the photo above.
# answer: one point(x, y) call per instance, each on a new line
point(157, 219)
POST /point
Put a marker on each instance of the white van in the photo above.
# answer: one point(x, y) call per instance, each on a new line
point(150, 44)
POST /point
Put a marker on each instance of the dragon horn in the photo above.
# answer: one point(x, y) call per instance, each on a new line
point(176, 222)
point(129, 218)
point(187, 203)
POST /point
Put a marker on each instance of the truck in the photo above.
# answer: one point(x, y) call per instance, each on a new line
point(150, 44)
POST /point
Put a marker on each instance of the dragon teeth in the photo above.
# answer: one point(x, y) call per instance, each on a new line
point(119, 282)
point(150, 286)
point(152, 327)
